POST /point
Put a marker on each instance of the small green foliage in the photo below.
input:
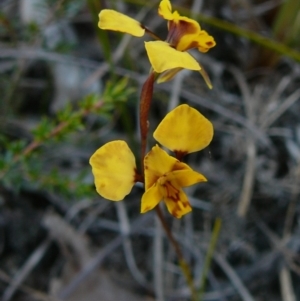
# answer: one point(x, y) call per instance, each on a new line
point(31, 31)
point(65, 114)
point(90, 101)
point(117, 91)
point(26, 164)
point(14, 146)
point(64, 47)
point(67, 8)
point(42, 131)
point(70, 187)
point(4, 24)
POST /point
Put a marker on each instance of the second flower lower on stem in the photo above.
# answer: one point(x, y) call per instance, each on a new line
point(184, 130)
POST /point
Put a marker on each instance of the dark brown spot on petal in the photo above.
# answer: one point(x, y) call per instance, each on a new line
point(172, 192)
point(178, 29)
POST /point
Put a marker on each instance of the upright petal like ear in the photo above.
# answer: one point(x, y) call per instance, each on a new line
point(112, 20)
point(165, 10)
point(114, 170)
point(157, 163)
point(184, 130)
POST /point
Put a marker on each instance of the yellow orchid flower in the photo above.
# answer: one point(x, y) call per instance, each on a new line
point(169, 57)
point(184, 33)
point(114, 167)
point(164, 178)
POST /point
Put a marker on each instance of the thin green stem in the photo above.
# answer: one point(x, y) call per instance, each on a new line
point(182, 263)
point(169, 233)
point(208, 258)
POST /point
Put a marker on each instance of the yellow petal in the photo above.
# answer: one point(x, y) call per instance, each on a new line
point(168, 75)
point(184, 130)
point(188, 35)
point(163, 57)
point(165, 10)
point(180, 206)
point(205, 41)
point(189, 177)
point(113, 166)
point(150, 199)
point(157, 163)
point(112, 20)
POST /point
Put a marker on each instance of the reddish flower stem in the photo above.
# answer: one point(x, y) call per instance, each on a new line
point(145, 103)
point(169, 233)
point(151, 34)
point(146, 97)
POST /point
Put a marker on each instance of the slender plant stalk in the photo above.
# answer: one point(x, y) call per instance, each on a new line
point(145, 103)
point(208, 258)
point(182, 262)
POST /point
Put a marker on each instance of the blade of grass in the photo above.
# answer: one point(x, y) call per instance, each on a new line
point(102, 35)
point(208, 258)
point(286, 25)
point(252, 36)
